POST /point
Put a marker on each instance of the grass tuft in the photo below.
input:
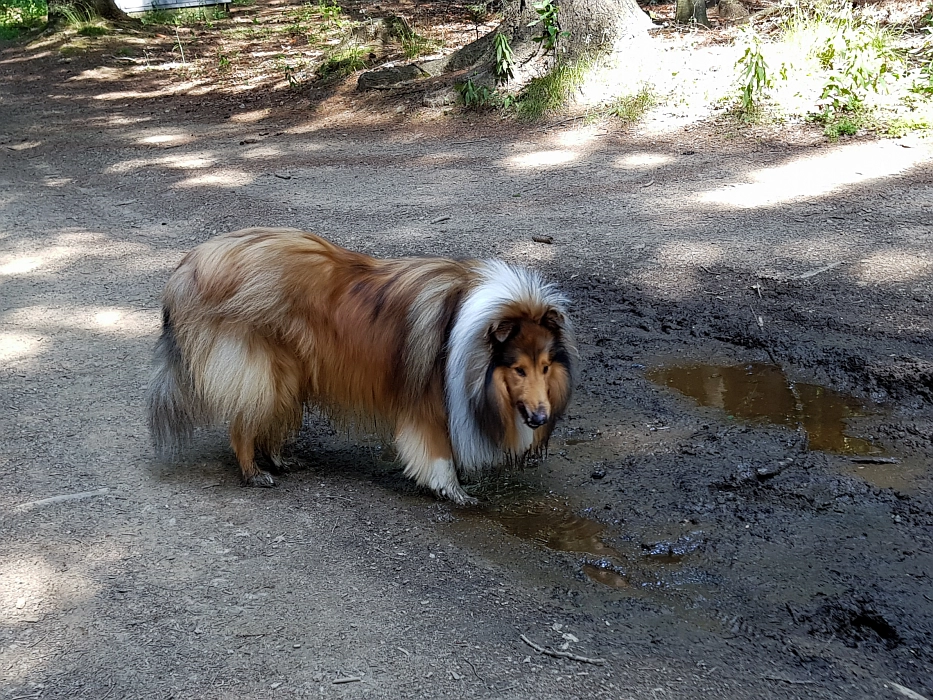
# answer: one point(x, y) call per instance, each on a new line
point(551, 92)
point(343, 62)
point(631, 108)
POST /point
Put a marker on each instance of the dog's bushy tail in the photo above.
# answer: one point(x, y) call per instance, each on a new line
point(173, 405)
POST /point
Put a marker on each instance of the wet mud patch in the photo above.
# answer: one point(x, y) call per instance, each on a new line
point(902, 475)
point(856, 620)
point(602, 552)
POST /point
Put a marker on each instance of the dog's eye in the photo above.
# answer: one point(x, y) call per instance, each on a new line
point(519, 371)
point(546, 368)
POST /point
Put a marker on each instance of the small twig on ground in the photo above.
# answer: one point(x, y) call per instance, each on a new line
point(347, 679)
point(61, 499)
point(562, 654)
point(441, 219)
point(180, 47)
point(109, 691)
point(813, 273)
point(470, 664)
point(876, 460)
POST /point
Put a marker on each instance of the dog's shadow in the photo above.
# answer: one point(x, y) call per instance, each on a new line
point(322, 453)
point(319, 454)
point(326, 457)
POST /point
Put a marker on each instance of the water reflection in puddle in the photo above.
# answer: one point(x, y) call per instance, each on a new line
point(627, 565)
point(762, 392)
point(554, 527)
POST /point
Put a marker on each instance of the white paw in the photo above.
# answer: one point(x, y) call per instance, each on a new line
point(456, 494)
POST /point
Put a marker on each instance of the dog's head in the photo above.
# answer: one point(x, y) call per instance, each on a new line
point(532, 365)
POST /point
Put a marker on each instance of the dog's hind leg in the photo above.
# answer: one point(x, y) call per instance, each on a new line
point(428, 460)
point(283, 417)
point(280, 463)
point(243, 440)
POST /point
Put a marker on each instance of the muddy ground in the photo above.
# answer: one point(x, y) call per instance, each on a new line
point(695, 552)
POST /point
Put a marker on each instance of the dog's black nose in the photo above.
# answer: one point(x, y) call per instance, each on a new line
point(537, 419)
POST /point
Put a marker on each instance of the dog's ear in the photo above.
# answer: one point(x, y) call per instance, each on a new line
point(502, 330)
point(553, 320)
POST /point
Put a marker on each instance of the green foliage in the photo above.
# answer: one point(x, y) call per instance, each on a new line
point(290, 71)
point(82, 22)
point(550, 28)
point(479, 11)
point(927, 20)
point(854, 59)
point(858, 59)
point(413, 44)
point(901, 125)
point(836, 67)
point(631, 108)
point(475, 96)
point(194, 16)
point(843, 125)
point(20, 16)
point(344, 61)
point(156, 17)
point(184, 17)
point(504, 65)
point(551, 92)
point(90, 29)
point(324, 15)
point(753, 73)
point(923, 80)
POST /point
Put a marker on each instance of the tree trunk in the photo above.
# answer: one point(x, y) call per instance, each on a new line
point(587, 27)
point(691, 12)
point(107, 9)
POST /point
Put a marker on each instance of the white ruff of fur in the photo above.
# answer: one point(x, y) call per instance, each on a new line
point(469, 355)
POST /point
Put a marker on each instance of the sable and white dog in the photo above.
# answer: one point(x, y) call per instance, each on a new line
point(464, 363)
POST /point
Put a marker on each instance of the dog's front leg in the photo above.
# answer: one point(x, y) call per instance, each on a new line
point(428, 460)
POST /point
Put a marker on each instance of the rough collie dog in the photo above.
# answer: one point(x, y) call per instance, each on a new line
point(464, 363)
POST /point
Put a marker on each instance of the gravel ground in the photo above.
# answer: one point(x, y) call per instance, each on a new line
point(695, 552)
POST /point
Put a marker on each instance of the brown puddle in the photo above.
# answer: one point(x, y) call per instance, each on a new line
point(556, 527)
point(762, 392)
point(901, 475)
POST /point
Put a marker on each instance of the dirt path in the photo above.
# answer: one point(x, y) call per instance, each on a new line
point(698, 555)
